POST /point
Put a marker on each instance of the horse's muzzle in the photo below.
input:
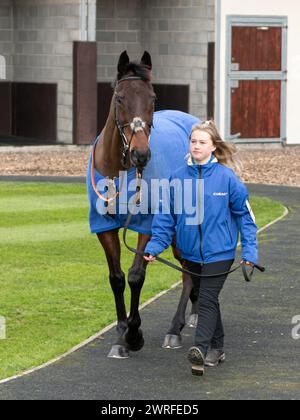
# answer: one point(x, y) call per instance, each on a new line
point(140, 160)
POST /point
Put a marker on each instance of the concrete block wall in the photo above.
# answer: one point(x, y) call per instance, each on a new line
point(118, 28)
point(44, 31)
point(6, 36)
point(37, 38)
point(175, 32)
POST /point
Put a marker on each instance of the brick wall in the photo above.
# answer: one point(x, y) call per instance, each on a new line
point(6, 36)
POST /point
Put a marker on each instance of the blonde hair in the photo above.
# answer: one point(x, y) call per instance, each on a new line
point(226, 153)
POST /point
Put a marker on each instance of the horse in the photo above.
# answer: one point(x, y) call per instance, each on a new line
point(135, 140)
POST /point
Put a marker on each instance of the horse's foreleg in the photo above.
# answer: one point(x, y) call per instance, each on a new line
point(136, 277)
point(111, 244)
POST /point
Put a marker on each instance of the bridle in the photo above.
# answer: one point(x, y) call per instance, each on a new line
point(136, 125)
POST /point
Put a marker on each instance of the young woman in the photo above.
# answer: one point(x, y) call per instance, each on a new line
point(208, 247)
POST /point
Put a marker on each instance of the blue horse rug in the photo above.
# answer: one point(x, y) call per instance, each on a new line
point(169, 144)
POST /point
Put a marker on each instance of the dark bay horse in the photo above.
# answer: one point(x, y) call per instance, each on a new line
point(124, 145)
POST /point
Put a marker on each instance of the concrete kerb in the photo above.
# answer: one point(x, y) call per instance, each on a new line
point(87, 341)
point(41, 149)
point(44, 179)
point(109, 327)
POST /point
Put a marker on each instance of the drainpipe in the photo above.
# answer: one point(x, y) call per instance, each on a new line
point(2, 67)
point(218, 23)
point(88, 20)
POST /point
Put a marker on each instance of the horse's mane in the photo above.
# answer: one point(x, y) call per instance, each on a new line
point(135, 69)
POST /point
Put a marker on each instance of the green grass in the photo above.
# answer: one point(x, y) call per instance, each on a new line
point(54, 289)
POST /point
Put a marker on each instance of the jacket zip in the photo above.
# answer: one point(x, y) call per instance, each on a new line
point(200, 228)
point(228, 230)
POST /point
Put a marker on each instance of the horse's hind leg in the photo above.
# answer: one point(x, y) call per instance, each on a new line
point(173, 338)
point(111, 244)
point(193, 318)
point(136, 278)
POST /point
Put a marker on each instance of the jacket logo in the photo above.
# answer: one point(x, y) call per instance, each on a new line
point(220, 194)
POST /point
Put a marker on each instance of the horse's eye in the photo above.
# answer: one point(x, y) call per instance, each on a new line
point(119, 100)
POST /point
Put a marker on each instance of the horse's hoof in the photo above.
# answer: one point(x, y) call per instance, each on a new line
point(118, 352)
point(135, 342)
point(172, 342)
point(193, 321)
point(137, 345)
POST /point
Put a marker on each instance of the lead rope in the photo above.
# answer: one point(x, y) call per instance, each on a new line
point(106, 200)
point(247, 276)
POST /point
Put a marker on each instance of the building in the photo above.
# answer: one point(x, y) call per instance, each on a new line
point(59, 57)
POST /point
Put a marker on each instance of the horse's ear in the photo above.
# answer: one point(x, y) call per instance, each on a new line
point(123, 62)
point(146, 60)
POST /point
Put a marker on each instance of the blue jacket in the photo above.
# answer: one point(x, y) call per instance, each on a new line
point(226, 212)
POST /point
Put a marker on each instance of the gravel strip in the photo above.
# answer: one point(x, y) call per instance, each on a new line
point(277, 167)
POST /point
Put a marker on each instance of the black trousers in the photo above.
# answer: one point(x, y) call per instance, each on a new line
point(209, 331)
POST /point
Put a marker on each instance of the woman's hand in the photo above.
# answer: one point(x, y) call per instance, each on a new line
point(150, 258)
point(247, 263)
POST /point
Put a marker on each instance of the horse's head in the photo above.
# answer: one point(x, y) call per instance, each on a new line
point(134, 107)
